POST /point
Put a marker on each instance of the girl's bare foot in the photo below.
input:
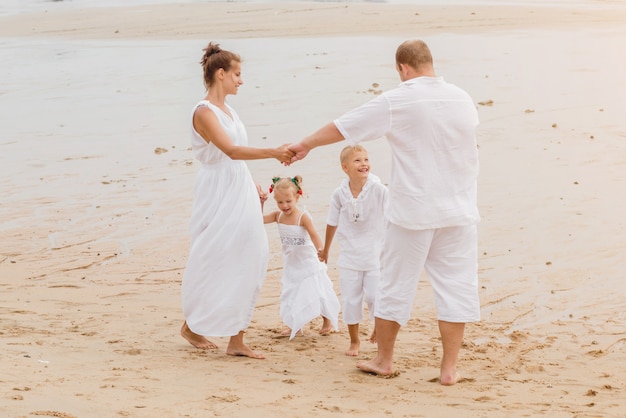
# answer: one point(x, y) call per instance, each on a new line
point(327, 327)
point(194, 339)
point(353, 351)
point(373, 337)
point(287, 332)
point(374, 366)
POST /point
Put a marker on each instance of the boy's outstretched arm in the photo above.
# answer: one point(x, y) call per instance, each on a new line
point(330, 234)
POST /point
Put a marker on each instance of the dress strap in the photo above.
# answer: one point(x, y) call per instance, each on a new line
point(301, 215)
point(204, 103)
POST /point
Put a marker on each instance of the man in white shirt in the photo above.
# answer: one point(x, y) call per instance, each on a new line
point(430, 126)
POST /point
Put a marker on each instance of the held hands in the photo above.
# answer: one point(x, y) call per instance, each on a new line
point(290, 153)
point(284, 154)
point(299, 151)
point(322, 255)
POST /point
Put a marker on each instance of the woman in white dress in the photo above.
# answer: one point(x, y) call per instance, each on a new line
point(229, 250)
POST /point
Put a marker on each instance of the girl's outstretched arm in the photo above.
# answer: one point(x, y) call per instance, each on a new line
point(307, 223)
point(270, 217)
point(262, 195)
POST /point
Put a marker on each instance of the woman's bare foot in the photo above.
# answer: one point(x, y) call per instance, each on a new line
point(194, 339)
point(353, 351)
point(244, 351)
point(236, 347)
point(374, 366)
point(327, 327)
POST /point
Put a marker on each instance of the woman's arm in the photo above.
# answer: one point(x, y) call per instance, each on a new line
point(207, 125)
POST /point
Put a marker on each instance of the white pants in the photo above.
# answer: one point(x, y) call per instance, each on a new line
point(449, 257)
point(356, 287)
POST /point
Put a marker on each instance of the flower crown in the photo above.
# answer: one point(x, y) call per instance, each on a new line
point(293, 180)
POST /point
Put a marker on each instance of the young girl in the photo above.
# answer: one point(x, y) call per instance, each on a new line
point(307, 291)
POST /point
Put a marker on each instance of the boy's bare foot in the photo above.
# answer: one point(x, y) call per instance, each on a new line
point(194, 339)
point(375, 367)
point(353, 351)
point(373, 337)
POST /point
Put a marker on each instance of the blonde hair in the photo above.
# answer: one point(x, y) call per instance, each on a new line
point(284, 183)
point(345, 153)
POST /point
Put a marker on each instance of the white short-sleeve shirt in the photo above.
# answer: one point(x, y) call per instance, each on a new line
point(360, 223)
point(430, 126)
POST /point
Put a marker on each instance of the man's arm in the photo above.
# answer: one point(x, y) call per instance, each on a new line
point(327, 134)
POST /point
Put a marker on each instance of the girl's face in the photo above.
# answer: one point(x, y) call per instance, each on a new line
point(286, 200)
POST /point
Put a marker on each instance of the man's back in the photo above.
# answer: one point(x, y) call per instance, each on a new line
point(435, 157)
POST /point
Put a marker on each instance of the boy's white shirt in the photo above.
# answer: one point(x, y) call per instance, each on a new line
point(360, 237)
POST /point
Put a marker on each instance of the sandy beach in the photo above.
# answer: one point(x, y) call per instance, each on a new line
point(97, 191)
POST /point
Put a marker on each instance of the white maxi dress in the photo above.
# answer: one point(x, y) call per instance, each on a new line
point(229, 249)
point(307, 291)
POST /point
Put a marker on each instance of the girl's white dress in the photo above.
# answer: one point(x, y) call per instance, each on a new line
point(307, 291)
point(229, 248)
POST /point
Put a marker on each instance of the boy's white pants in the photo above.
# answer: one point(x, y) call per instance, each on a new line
point(357, 287)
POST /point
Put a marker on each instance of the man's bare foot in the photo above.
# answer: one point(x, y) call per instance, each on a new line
point(373, 337)
point(327, 327)
point(196, 340)
point(375, 366)
point(244, 351)
point(353, 351)
point(450, 378)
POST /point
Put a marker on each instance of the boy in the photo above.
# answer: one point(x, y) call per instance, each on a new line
point(356, 214)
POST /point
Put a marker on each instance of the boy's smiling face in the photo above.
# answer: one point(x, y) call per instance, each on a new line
point(357, 165)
